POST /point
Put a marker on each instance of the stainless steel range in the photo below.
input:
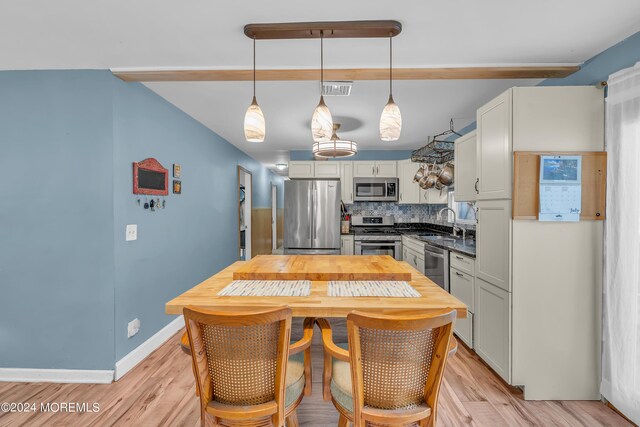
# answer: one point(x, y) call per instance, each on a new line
point(376, 235)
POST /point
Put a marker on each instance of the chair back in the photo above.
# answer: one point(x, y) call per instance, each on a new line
point(239, 358)
point(397, 362)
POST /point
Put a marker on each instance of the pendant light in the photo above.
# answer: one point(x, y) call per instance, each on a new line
point(391, 119)
point(334, 147)
point(254, 125)
point(321, 121)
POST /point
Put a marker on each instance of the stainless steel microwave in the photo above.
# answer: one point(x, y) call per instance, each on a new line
point(375, 189)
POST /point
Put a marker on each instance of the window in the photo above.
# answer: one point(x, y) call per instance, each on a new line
point(465, 211)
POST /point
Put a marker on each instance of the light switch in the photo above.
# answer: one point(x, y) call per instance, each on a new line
point(132, 232)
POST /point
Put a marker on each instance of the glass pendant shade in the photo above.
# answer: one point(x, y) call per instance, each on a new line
point(334, 147)
point(321, 122)
point(254, 125)
point(390, 121)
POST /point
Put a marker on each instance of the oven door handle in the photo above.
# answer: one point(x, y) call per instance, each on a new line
point(379, 243)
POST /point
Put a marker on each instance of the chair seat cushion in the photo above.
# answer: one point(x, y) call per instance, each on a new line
point(295, 378)
point(341, 381)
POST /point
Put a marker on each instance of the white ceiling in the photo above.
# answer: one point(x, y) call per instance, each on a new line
point(76, 34)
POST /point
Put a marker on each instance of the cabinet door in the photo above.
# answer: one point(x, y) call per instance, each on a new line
point(327, 169)
point(434, 196)
point(492, 327)
point(416, 260)
point(409, 190)
point(462, 287)
point(387, 169)
point(346, 245)
point(364, 169)
point(301, 169)
point(465, 168)
point(493, 242)
point(464, 329)
point(494, 149)
point(346, 182)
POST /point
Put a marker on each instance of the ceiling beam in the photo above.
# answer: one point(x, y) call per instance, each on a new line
point(541, 72)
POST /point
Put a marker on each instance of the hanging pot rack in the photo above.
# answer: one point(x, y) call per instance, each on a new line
point(438, 150)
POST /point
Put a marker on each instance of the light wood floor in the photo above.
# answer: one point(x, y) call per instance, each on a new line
point(160, 391)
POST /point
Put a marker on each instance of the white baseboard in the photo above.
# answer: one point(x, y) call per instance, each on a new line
point(55, 376)
point(128, 362)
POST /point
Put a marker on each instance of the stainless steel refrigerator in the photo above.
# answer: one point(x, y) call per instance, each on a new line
point(311, 217)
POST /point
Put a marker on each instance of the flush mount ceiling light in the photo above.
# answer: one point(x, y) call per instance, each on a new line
point(321, 121)
point(334, 147)
point(391, 119)
point(281, 166)
point(254, 124)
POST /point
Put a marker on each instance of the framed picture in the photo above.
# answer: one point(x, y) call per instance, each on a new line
point(150, 178)
point(176, 170)
point(177, 186)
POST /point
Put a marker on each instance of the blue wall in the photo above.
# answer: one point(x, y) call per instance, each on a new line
point(64, 259)
point(56, 220)
point(595, 70)
point(196, 234)
point(361, 155)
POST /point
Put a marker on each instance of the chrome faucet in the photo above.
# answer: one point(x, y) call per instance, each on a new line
point(455, 227)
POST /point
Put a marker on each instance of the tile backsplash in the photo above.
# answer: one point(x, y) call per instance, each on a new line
point(426, 214)
point(402, 213)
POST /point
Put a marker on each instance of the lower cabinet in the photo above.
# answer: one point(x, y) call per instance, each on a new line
point(415, 259)
point(492, 327)
point(462, 286)
point(464, 329)
point(346, 244)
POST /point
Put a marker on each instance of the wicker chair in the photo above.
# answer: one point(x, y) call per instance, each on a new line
point(247, 373)
point(391, 373)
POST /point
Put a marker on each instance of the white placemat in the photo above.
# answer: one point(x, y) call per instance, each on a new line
point(372, 288)
point(267, 288)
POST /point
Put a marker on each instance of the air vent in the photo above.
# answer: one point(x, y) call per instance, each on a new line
point(337, 88)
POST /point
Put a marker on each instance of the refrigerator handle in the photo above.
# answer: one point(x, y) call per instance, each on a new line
point(312, 212)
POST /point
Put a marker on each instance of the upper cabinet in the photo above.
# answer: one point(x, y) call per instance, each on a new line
point(346, 182)
point(301, 169)
point(326, 169)
point(465, 177)
point(380, 169)
point(409, 190)
point(494, 148)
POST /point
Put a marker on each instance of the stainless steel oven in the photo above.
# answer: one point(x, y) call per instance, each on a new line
point(375, 189)
point(392, 248)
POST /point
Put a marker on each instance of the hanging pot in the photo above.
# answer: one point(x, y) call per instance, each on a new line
point(419, 175)
point(445, 177)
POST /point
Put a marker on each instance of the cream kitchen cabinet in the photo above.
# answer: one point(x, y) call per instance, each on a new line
point(346, 182)
point(494, 148)
point(415, 259)
point(301, 169)
point(462, 286)
point(326, 169)
point(492, 327)
point(409, 190)
point(380, 169)
point(346, 244)
point(465, 176)
point(433, 196)
point(493, 242)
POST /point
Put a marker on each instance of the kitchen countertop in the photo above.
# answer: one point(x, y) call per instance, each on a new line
point(454, 244)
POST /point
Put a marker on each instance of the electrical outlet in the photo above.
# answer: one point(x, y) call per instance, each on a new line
point(132, 232)
point(133, 327)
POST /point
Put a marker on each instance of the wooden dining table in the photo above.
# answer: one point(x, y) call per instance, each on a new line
point(319, 269)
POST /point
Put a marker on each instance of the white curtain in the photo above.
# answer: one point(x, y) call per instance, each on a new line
point(621, 323)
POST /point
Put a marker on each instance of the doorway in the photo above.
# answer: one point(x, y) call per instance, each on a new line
point(244, 214)
point(274, 218)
